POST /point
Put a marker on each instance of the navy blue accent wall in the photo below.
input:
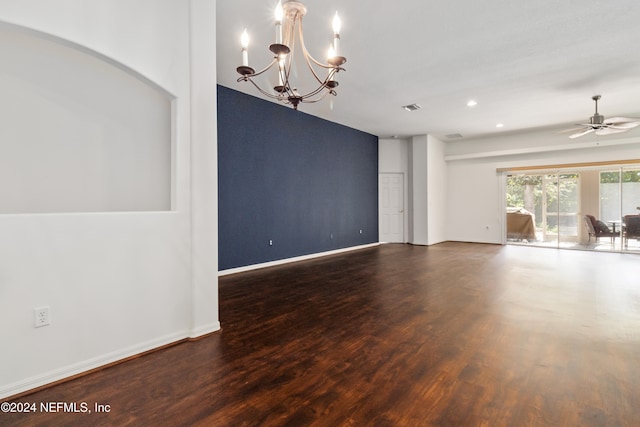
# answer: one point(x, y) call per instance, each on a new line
point(306, 184)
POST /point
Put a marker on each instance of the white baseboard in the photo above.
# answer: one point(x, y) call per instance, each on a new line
point(295, 259)
point(87, 365)
point(204, 330)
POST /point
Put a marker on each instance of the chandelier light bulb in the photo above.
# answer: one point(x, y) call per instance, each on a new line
point(336, 24)
point(244, 41)
point(279, 13)
point(336, 34)
point(331, 53)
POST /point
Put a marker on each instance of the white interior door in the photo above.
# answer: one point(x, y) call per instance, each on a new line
point(391, 202)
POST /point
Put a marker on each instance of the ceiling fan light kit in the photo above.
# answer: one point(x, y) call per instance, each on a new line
point(601, 126)
point(288, 23)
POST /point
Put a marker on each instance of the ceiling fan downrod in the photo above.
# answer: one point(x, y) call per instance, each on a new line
point(596, 119)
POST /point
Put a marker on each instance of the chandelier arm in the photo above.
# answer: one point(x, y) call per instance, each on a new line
point(294, 30)
point(313, 93)
point(289, 28)
point(309, 101)
point(318, 90)
point(324, 85)
point(282, 75)
point(286, 69)
point(248, 76)
point(309, 58)
point(264, 92)
point(282, 58)
point(312, 101)
point(306, 53)
point(265, 68)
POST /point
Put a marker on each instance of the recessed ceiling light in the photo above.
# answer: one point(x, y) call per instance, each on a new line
point(472, 103)
point(499, 125)
point(411, 107)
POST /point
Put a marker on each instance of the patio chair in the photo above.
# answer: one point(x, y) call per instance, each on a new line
point(631, 228)
point(597, 229)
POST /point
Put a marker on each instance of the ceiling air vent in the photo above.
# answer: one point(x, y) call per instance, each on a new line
point(454, 136)
point(411, 107)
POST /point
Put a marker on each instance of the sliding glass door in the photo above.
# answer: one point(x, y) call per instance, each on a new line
point(547, 201)
point(630, 208)
point(620, 203)
point(549, 223)
point(568, 208)
point(524, 196)
point(593, 207)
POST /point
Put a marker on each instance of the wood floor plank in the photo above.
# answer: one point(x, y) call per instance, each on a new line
point(396, 335)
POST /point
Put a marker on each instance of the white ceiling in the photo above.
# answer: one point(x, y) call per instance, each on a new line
point(529, 64)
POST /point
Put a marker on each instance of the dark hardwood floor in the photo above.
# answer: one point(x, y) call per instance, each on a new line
point(449, 335)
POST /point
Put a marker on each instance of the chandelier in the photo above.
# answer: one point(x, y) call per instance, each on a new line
point(288, 21)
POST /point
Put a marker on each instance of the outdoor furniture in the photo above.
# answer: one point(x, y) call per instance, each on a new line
point(520, 225)
point(631, 228)
point(597, 229)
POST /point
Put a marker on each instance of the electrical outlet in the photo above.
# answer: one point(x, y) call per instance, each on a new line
point(41, 316)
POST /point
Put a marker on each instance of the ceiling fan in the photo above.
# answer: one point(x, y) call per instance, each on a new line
point(601, 126)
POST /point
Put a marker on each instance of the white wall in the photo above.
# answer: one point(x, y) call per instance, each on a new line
point(421, 160)
point(437, 191)
point(118, 283)
point(393, 157)
point(204, 170)
point(418, 187)
point(99, 134)
point(474, 212)
point(473, 207)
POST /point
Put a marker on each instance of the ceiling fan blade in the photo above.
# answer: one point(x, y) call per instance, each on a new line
point(570, 130)
point(626, 126)
point(616, 120)
point(579, 134)
point(609, 131)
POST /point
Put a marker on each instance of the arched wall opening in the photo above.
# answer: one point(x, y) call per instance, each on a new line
point(98, 131)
